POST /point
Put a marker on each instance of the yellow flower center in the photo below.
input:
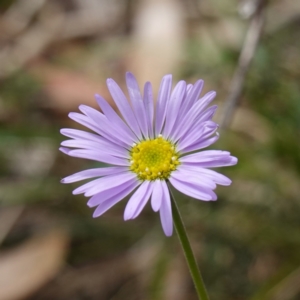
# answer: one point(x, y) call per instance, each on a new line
point(153, 159)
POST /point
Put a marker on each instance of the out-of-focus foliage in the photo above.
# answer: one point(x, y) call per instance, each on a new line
point(247, 243)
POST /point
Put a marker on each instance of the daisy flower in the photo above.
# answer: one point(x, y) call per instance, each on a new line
point(149, 146)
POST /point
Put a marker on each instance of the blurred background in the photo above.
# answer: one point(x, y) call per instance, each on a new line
point(55, 55)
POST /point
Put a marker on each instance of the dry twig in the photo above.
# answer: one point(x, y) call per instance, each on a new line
point(9, 217)
point(19, 15)
point(246, 56)
point(53, 25)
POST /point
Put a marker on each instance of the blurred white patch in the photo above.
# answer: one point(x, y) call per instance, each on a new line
point(34, 159)
point(157, 40)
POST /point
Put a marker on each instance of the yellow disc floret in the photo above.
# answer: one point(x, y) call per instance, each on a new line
point(153, 159)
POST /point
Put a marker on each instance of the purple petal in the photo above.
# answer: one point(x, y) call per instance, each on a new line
point(98, 156)
point(104, 183)
point(101, 197)
point(210, 153)
point(193, 190)
point(173, 107)
point(83, 135)
point(166, 211)
point(97, 172)
point(204, 101)
point(215, 176)
point(189, 87)
point(124, 107)
point(210, 159)
point(106, 205)
point(80, 134)
point(192, 97)
point(193, 114)
point(101, 146)
point(138, 200)
point(149, 107)
point(137, 103)
point(219, 163)
point(185, 175)
point(83, 144)
point(85, 121)
point(89, 123)
point(162, 101)
point(111, 182)
point(157, 195)
point(101, 120)
point(199, 145)
point(64, 150)
point(197, 134)
point(205, 116)
point(113, 117)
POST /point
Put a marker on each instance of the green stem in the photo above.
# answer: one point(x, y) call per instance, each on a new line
point(188, 252)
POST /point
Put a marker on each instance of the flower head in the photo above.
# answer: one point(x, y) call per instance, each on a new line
point(148, 147)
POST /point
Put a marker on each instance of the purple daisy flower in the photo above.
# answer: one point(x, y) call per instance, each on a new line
point(147, 148)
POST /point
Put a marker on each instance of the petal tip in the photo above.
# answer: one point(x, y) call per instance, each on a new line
point(234, 160)
point(129, 74)
point(167, 78)
point(168, 232)
point(95, 215)
point(109, 81)
point(64, 150)
point(214, 198)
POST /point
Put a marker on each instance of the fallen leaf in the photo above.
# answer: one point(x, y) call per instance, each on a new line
point(29, 266)
point(65, 90)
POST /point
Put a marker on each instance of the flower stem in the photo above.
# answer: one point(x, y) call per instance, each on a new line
point(188, 252)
